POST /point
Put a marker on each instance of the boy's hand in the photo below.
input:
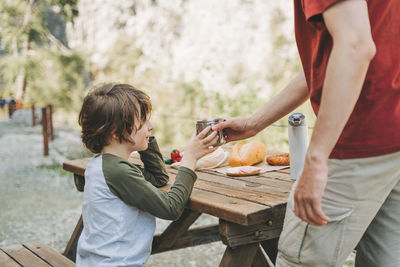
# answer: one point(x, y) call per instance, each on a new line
point(198, 146)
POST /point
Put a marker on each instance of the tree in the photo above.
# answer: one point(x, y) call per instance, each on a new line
point(25, 33)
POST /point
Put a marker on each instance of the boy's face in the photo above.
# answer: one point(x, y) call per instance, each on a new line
point(141, 137)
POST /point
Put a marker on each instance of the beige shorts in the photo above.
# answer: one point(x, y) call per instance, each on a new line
point(362, 199)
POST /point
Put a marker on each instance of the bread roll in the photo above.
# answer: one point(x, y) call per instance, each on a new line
point(245, 154)
point(279, 159)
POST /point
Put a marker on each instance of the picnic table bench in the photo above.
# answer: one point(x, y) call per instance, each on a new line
point(250, 209)
point(33, 254)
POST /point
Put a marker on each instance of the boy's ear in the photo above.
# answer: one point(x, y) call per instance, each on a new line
point(114, 136)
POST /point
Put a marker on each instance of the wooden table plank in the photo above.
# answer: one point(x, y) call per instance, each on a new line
point(228, 208)
point(48, 254)
point(263, 198)
point(6, 261)
point(25, 257)
point(285, 171)
point(270, 184)
point(277, 177)
point(77, 166)
point(271, 179)
point(253, 183)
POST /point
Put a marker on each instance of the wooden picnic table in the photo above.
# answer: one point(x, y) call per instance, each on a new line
point(250, 209)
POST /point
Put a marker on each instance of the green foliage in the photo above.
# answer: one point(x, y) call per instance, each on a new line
point(27, 51)
point(284, 61)
point(14, 30)
point(122, 61)
point(60, 80)
point(9, 69)
point(68, 8)
point(11, 20)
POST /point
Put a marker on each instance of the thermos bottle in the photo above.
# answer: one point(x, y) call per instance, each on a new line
point(298, 143)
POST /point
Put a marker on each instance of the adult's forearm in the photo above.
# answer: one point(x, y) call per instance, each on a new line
point(292, 96)
point(347, 66)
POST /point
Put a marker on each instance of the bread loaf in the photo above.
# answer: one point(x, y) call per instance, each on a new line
point(245, 154)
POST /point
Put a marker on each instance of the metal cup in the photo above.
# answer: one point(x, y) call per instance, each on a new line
point(202, 124)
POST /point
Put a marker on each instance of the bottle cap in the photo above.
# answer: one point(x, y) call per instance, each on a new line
point(297, 119)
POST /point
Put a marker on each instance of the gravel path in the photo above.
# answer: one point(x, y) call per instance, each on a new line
point(38, 200)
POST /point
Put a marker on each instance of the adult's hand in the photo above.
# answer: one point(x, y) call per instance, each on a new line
point(309, 191)
point(235, 128)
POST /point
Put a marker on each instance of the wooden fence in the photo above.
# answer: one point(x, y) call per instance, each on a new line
point(47, 126)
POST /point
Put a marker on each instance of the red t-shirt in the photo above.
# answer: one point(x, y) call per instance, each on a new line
point(374, 126)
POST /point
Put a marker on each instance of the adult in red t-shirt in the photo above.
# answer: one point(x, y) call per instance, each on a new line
point(349, 192)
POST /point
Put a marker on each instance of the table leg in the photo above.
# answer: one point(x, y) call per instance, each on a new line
point(70, 250)
point(260, 260)
point(241, 256)
point(271, 248)
point(79, 181)
point(176, 229)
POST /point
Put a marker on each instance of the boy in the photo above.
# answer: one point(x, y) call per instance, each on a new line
point(121, 200)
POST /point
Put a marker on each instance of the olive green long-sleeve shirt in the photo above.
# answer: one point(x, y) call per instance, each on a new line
point(137, 186)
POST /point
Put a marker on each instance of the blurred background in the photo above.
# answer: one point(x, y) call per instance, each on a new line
point(196, 59)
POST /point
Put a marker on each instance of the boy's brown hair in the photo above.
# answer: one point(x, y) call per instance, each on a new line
point(112, 109)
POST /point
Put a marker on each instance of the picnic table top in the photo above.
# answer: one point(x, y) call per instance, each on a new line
point(246, 200)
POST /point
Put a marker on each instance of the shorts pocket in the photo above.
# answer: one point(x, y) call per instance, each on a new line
point(322, 245)
point(310, 245)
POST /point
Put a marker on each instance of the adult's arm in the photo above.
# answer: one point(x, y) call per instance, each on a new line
point(292, 96)
point(353, 48)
